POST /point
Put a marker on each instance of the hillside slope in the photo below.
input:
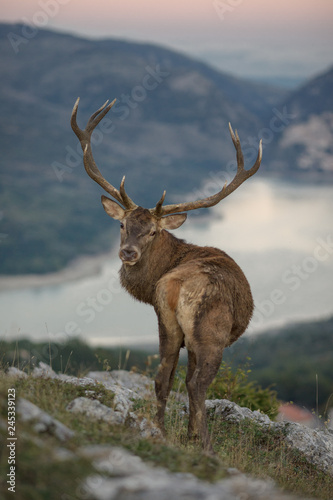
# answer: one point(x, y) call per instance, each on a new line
point(304, 148)
point(95, 436)
point(169, 131)
point(291, 359)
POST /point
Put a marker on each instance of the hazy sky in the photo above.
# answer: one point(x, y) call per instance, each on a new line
point(251, 38)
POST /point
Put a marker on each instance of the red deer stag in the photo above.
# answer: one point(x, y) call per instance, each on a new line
point(201, 297)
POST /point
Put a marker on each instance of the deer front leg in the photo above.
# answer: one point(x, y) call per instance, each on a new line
point(170, 343)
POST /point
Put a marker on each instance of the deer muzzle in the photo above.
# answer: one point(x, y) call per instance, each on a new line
point(129, 255)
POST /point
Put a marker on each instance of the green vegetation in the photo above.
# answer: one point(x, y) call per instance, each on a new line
point(235, 386)
point(74, 357)
point(288, 362)
point(77, 357)
point(291, 358)
point(244, 446)
point(46, 239)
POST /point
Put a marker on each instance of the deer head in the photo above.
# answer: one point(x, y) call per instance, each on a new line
point(139, 229)
point(139, 226)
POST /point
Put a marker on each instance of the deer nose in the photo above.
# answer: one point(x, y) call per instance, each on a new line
point(128, 255)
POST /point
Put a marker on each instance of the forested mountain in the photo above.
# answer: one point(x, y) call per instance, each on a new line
point(305, 146)
point(168, 130)
point(295, 360)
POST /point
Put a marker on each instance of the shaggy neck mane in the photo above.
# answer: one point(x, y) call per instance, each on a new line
point(163, 255)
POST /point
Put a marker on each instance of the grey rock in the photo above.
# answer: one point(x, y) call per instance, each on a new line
point(232, 471)
point(91, 393)
point(140, 385)
point(95, 410)
point(233, 413)
point(131, 479)
point(61, 454)
point(29, 412)
point(315, 445)
point(146, 427)
point(16, 373)
point(81, 382)
point(116, 461)
point(122, 404)
point(44, 370)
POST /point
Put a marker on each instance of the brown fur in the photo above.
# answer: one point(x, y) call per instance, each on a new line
point(202, 300)
point(173, 289)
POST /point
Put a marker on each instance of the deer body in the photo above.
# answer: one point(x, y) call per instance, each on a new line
point(170, 262)
point(200, 295)
point(202, 301)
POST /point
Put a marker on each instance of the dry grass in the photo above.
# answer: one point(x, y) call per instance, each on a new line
point(245, 446)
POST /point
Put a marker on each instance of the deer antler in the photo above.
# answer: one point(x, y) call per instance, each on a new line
point(210, 201)
point(159, 210)
point(92, 170)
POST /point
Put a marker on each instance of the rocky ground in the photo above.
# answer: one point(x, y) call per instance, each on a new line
point(119, 474)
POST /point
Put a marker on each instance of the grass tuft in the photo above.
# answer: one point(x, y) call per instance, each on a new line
point(245, 446)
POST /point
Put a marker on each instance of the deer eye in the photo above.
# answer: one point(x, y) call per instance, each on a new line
point(152, 233)
point(121, 225)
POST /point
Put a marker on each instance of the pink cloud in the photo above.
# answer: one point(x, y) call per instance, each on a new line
point(216, 30)
point(187, 13)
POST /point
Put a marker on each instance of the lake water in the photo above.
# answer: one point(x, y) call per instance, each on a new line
point(280, 234)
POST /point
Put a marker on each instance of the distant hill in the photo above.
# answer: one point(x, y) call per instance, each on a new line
point(290, 359)
point(169, 131)
point(304, 148)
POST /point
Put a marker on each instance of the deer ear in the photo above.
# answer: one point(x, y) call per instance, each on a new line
point(112, 208)
point(173, 221)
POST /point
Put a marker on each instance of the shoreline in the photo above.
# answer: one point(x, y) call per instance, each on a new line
point(80, 268)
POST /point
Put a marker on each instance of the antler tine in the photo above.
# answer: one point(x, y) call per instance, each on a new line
point(158, 208)
point(102, 111)
point(210, 201)
point(239, 153)
point(127, 202)
point(92, 170)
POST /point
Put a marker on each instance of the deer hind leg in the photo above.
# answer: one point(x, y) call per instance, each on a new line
point(191, 366)
point(205, 349)
point(171, 340)
point(207, 365)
